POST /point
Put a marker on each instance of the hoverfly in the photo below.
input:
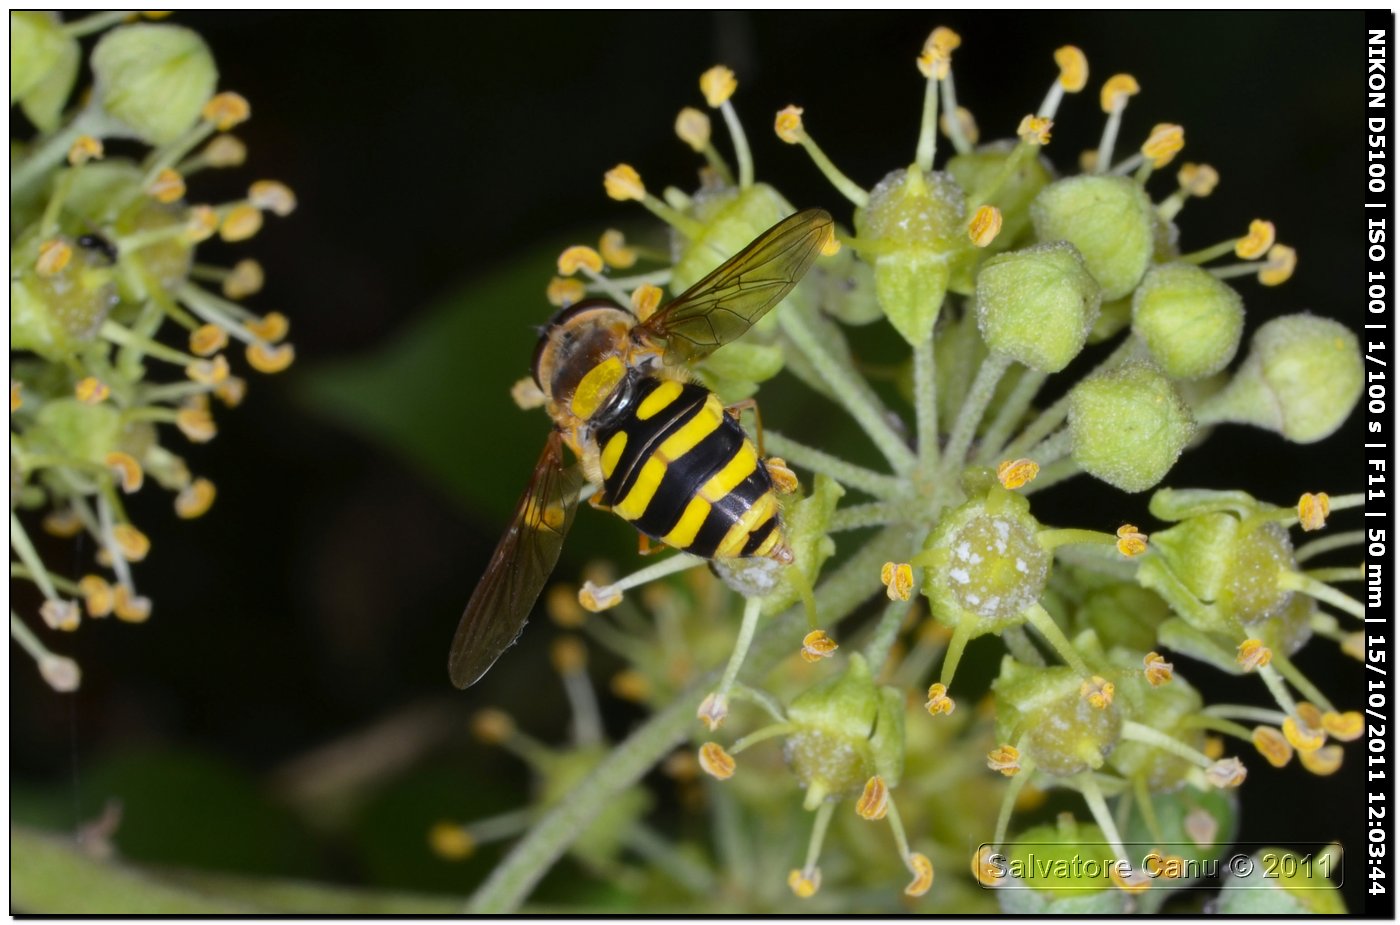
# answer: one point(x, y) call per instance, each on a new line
point(663, 452)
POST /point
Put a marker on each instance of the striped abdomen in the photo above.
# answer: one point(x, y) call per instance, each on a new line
point(683, 471)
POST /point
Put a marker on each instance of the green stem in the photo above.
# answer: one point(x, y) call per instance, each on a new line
point(513, 879)
point(849, 474)
point(1009, 415)
point(19, 541)
point(1295, 581)
point(926, 406)
point(51, 151)
point(873, 514)
point(679, 866)
point(849, 390)
point(970, 414)
point(96, 23)
point(1299, 680)
point(878, 648)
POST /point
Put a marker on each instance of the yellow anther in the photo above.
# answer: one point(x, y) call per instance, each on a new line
point(451, 841)
point(718, 85)
point(579, 257)
point(98, 595)
point(965, 124)
point(784, 479)
point(1354, 644)
point(1313, 510)
point(985, 226)
point(225, 151)
point(1035, 130)
point(1252, 655)
point(1302, 737)
point(985, 870)
point(716, 762)
point(128, 470)
point(564, 291)
point(197, 424)
point(242, 222)
point(631, 685)
point(129, 607)
point(1130, 881)
point(1322, 761)
point(1131, 541)
point(1213, 747)
point(693, 128)
point(208, 372)
point(874, 801)
point(596, 599)
point(922, 869)
point(245, 279)
point(623, 183)
point(1074, 68)
point(91, 391)
point(1163, 143)
point(787, 124)
point(712, 710)
point(830, 247)
point(83, 149)
point(60, 615)
point(804, 885)
point(1272, 744)
point(62, 523)
point(195, 499)
point(1013, 473)
point(492, 726)
point(1278, 265)
point(54, 255)
point(201, 223)
point(817, 645)
point(937, 55)
point(1346, 726)
point(938, 700)
point(134, 544)
point(231, 391)
point(898, 579)
point(1088, 161)
point(266, 358)
point(1116, 91)
point(1098, 691)
point(614, 250)
point(207, 340)
point(1157, 669)
point(226, 110)
point(561, 604)
point(568, 655)
point(270, 328)
point(16, 398)
point(1226, 773)
point(1198, 180)
point(1166, 866)
point(273, 196)
point(1006, 759)
point(168, 186)
point(1257, 242)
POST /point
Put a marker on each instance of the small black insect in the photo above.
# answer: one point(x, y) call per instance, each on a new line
point(96, 242)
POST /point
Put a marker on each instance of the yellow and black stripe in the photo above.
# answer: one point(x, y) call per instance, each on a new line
point(684, 472)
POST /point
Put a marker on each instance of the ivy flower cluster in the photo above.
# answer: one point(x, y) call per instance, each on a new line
point(998, 270)
point(103, 266)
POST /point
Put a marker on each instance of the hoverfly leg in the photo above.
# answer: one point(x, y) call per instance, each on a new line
point(645, 547)
point(749, 404)
point(597, 501)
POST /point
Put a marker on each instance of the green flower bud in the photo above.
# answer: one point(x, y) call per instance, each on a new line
point(67, 427)
point(37, 46)
point(914, 229)
point(166, 261)
point(1122, 614)
point(43, 66)
point(54, 315)
point(1279, 882)
point(1036, 306)
point(1109, 219)
point(1301, 379)
point(846, 731)
point(1113, 317)
point(984, 563)
point(847, 287)
point(1189, 320)
point(1043, 712)
point(1128, 425)
point(1064, 862)
point(1013, 192)
point(154, 79)
point(735, 371)
point(730, 220)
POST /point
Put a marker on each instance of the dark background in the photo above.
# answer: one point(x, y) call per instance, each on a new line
point(428, 151)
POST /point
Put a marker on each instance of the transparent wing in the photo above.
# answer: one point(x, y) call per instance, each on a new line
point(519, 567)
point(725, 304)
